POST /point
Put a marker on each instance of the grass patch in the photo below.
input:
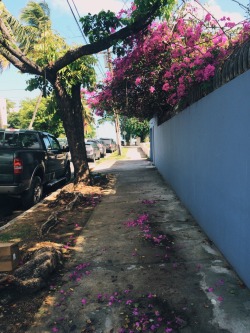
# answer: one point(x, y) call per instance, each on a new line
point(16, 233)
point(115, 155)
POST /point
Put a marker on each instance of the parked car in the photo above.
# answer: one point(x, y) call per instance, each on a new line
point(93, 151)
point(110, 144)
point(30, 160)
point(101, 145)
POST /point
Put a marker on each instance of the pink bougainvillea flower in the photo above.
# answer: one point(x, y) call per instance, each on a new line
point(148, 202)
point(170, 61)
point(138, 81)
point(126, 291)
point(135, 312)
point(220, 299)
point(55, 329)
point(129, 301)
point(99, 297)
point(133, 7)
point(210, 290)
point(208, 17)
point(166, 86)
point(220, 282)
point(168, 330)
point(83, 301)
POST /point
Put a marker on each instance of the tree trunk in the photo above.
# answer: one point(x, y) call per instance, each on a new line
point(70, 111)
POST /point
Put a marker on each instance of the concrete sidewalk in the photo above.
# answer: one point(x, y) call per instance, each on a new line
point(142, 264)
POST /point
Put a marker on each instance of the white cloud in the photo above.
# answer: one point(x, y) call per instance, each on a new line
point(87, 6)
point(218, 12)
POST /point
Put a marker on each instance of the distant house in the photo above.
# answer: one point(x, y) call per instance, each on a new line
point(3, 113)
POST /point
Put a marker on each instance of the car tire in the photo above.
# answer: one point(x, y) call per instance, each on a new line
point(34, 194)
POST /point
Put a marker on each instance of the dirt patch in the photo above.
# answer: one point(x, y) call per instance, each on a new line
point(15, 298)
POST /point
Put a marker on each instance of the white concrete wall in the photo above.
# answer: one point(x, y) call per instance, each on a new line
point(204, 153)
point(145, 146)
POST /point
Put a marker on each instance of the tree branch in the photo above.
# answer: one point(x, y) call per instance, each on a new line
point(107, 42)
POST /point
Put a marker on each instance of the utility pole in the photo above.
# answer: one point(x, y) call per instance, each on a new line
point(35, 111)
point(116, 115)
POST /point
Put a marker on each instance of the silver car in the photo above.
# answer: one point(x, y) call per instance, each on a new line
point(93, 151)
point(101, 146)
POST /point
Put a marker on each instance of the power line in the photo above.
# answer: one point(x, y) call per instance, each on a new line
point(72, 12)
point(98, 61)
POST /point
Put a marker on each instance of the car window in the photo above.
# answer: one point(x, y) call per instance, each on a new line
point(29, 140)
point(46, 142)
point(54, 143)
point(106, 141)
point(11, 140)
point(19, 140)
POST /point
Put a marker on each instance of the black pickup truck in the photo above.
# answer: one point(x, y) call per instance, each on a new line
point(30, 160)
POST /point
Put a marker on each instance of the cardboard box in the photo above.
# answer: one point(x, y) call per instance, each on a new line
point(9, 256)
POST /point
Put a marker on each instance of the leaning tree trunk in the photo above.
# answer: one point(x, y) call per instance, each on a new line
point(70, 111)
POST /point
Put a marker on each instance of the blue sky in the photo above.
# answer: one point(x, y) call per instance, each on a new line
point(12, 83)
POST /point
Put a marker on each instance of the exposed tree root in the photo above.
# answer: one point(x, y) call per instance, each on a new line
point(71, 199)
point(40, 262)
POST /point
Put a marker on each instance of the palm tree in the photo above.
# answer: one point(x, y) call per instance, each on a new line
point(36, 18)
point(44, 45)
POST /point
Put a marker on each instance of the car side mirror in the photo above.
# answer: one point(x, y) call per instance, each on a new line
point(65, 149)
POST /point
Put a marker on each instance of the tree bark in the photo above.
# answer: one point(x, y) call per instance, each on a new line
point(70, 111)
